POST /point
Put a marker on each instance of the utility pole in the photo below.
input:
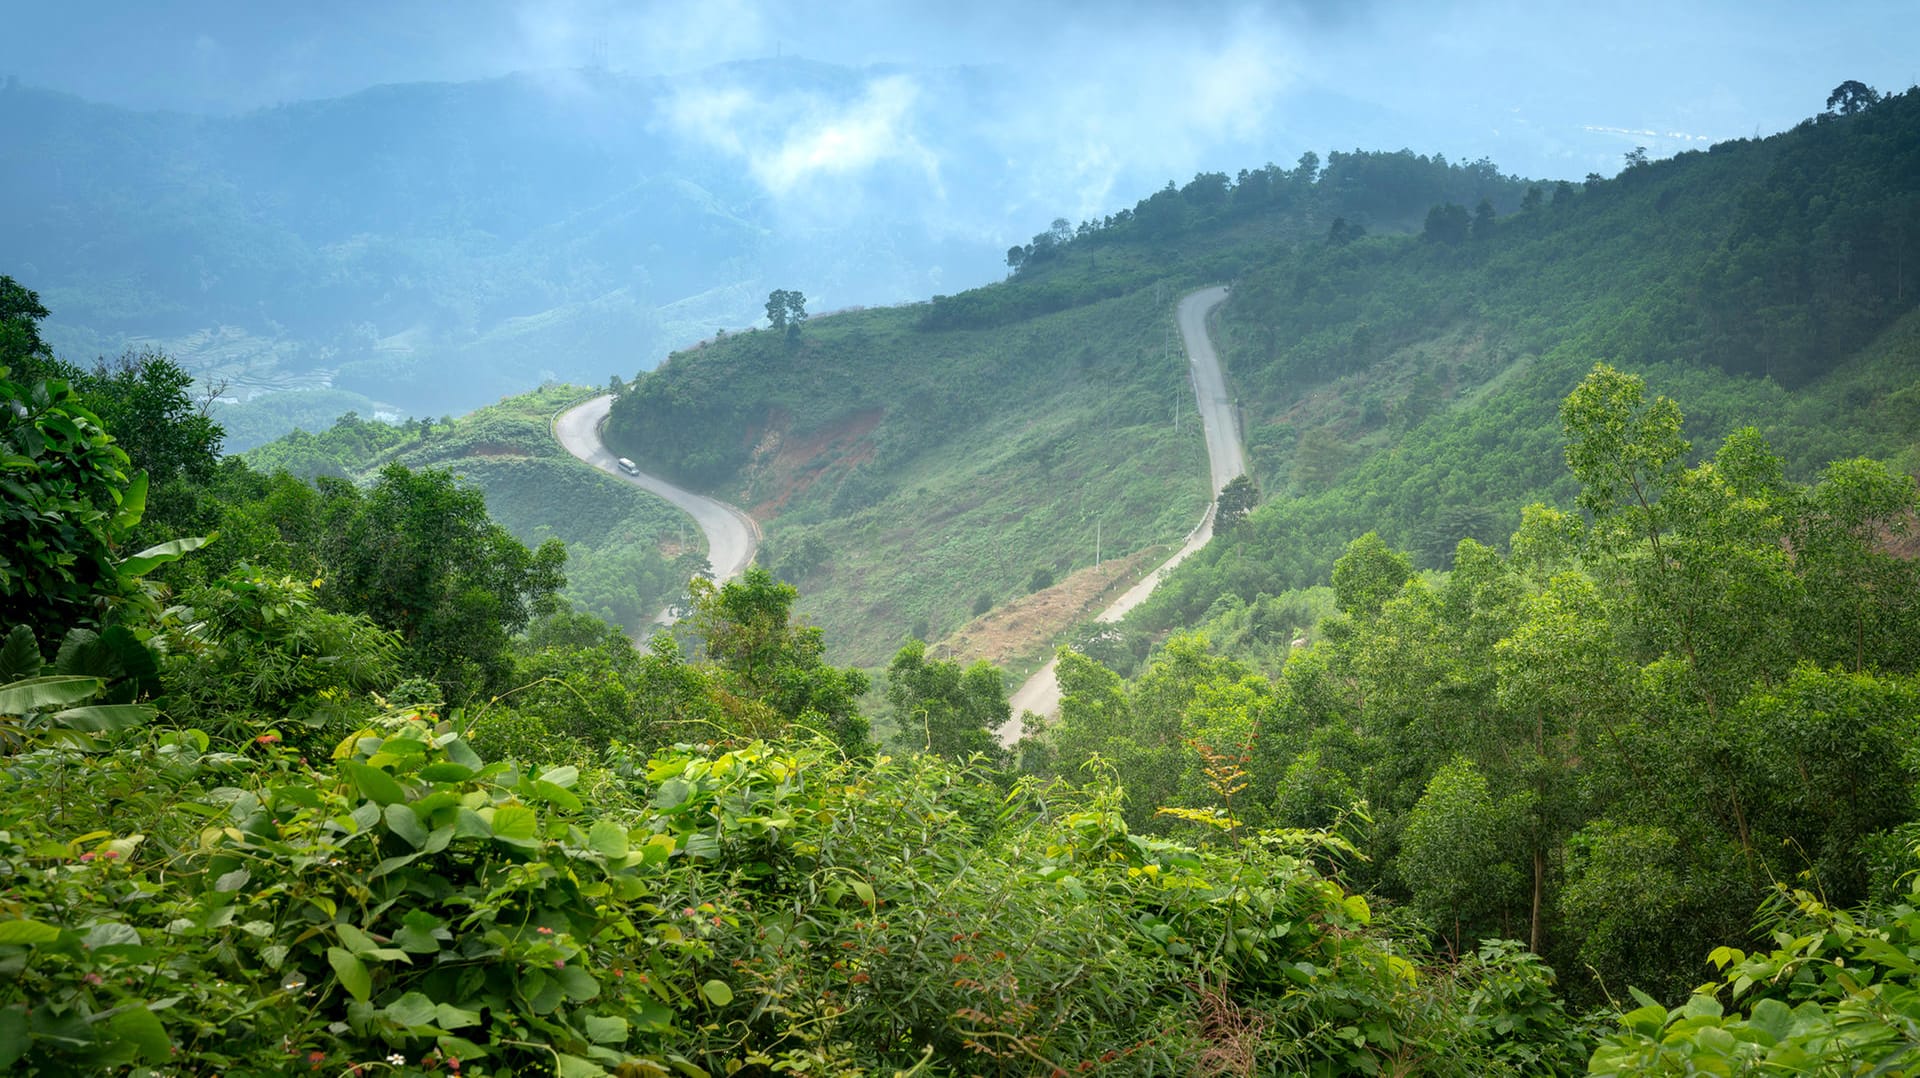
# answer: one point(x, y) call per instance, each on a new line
point(1166, 357)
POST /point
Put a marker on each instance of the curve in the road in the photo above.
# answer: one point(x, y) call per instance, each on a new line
point(1226, 458)
point(732, 535)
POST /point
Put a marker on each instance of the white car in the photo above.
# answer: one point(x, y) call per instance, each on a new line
point(628, 466)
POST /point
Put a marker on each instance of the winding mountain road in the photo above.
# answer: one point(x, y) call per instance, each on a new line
point(732, 536)
point(1041, 692)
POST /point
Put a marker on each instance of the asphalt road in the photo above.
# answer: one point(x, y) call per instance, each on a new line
point(731, 534)
point(1220, 420)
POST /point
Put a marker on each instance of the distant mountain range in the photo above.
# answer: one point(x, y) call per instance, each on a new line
point(426, 248)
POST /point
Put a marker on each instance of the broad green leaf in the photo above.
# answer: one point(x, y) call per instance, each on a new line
point(111, 934)
point(672, 794)
point(556, 795)
point(608, 838)
point(717, 993)
point(140, 1028)
point(42, 693)
point(418, 937)
point(462, 753)
point(543, 992)
point(25, 931)
point(401, 821)
point(352, 973)
point(470, 824)
point(446, 771)
point(603, 1029)
point(133, 503)
point(296, 796)
point(564, 776)
point(364, 815)
point(374, 784)
point(20, 656)
point(702, 844)
point(355, 938)
point(577, 983)
point(651, 1016)
point(105, 718)
point(1356, 907)
point(575, 1067)
point(155, 556)
point(412, 1009)
point(515, 824)
point(1772, 1018)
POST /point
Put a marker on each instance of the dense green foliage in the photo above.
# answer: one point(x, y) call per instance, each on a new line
point(347, 790)
point(1609, 742)
point(277, 857)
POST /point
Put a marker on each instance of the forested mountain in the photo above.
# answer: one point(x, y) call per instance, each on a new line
point(1411, 387)
point(913, 462)
point(1400, 333)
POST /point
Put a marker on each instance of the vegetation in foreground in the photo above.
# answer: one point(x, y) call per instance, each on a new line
point(244, 832)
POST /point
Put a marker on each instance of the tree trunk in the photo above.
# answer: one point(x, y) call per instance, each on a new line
point(1539, 889)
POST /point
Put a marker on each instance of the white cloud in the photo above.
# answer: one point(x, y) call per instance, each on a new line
point(1678, 136)
point(877, 128)
point(791, 142)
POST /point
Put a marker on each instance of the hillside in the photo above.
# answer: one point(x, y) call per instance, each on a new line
point(913, 465)
point(628, 553)
point(1399, 366)
point(1411, 387)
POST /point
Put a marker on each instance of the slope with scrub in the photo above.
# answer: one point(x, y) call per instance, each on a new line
point(911, 464)
point(1411, 386)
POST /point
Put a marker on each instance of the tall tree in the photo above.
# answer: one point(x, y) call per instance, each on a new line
point(418, 554)
point(1448, 224)
point(944, 709)
point(772, 667)
point(1237, 499)
point(1483, 220)
point(1852, 96)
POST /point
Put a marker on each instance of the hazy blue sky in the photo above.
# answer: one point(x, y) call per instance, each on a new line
point(1118, 89)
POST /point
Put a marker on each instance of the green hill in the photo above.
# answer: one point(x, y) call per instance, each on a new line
point(1412, 386)
point(910, 462)
point(1399, 345)
point(623, 545)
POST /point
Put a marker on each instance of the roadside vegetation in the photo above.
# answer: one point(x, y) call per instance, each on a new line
point(629, 555)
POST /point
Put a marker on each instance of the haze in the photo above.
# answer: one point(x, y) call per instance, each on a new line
point(1107, 91)
point(609, 181)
